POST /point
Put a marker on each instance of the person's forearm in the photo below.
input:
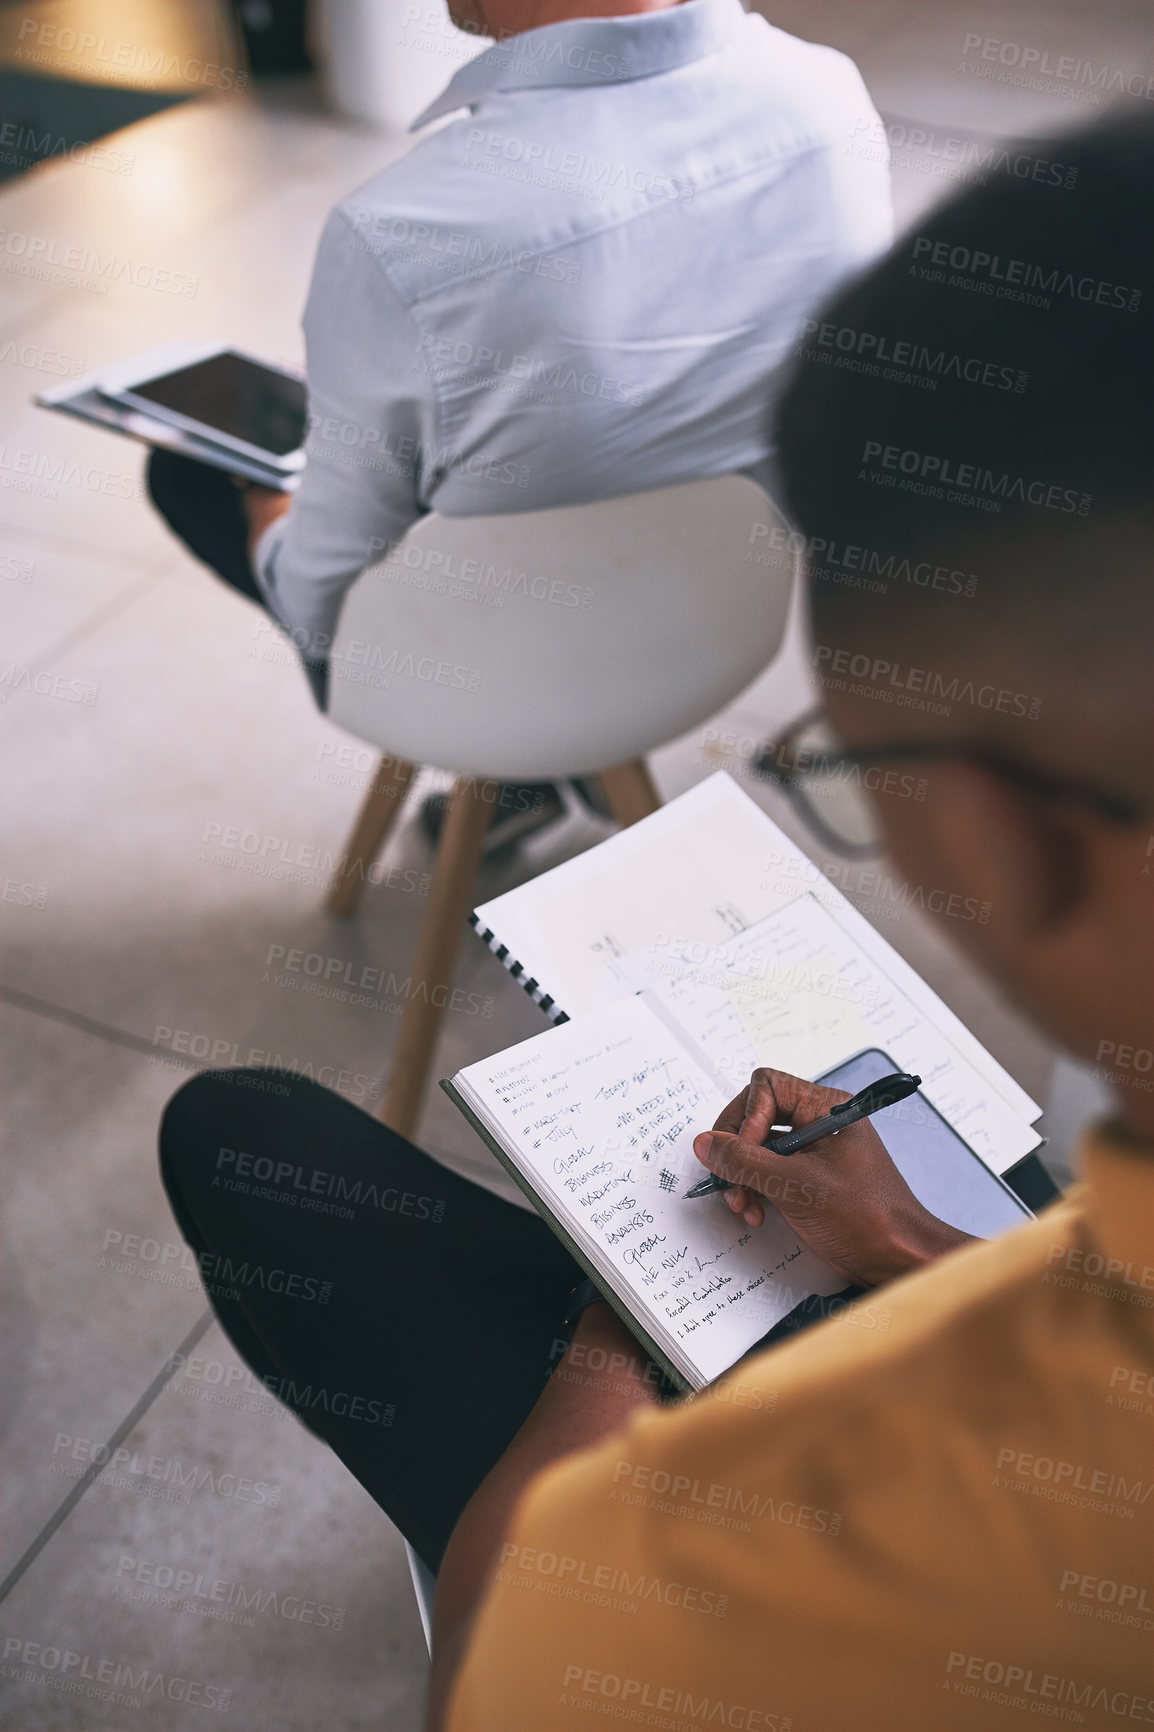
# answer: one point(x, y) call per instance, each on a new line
point(911, 1244)
point(578, 1407)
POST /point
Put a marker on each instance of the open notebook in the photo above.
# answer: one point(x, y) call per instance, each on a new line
point(673, 959)
point(595, 1121)
point(709, 903)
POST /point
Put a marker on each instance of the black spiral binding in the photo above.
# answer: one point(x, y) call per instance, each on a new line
point(501, 951)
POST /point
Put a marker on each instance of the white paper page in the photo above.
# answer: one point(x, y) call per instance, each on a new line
point(798, 993)
point(601, 1114)
point(705, 867)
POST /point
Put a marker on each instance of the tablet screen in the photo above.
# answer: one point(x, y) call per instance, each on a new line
point(940, 1169)
point(235, 396)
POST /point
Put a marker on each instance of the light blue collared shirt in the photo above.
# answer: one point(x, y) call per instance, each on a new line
point(587, 283)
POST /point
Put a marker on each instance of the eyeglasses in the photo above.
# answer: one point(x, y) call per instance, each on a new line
point(834, 787)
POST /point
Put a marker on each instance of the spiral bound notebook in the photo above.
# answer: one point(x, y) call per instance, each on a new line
point(709, 901)
point(517, 969)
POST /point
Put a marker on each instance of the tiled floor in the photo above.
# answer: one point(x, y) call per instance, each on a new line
point(147, 724)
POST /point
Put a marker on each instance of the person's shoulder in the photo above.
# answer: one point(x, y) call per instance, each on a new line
point(809, 79)
point(399, 196)
point(907, 1489)
point(435, 217)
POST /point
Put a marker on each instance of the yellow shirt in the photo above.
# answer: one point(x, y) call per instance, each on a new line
point(933, 1513)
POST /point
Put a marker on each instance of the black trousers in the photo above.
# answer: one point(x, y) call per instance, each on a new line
point(408, 1317)
point(205, 510)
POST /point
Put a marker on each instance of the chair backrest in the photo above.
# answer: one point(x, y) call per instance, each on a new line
point(561, 642)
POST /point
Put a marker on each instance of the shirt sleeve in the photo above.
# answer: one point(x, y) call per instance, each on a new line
point(369, 446)
point(829, 1537)
point(622, 1591)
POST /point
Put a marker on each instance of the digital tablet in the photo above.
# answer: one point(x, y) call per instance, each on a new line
point(219, 393)
point(942, 1170)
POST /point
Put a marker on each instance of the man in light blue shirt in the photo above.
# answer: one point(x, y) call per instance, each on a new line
point(586, 281)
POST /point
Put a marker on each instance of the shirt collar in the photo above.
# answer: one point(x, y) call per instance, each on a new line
point(592, 51)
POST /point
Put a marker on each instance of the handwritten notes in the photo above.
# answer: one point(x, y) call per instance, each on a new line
point(707, 866)
point(797, 992)
point(599, 1115)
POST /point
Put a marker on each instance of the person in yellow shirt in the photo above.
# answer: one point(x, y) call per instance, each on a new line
point(935, 1510)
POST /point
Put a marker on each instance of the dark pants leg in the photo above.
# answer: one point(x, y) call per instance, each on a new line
point(205, 510)
point(408, 1317)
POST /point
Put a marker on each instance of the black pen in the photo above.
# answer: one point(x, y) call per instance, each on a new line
point(886, 1092)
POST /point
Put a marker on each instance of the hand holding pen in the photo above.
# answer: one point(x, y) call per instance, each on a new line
point(886, 1092)
point(842, 1194)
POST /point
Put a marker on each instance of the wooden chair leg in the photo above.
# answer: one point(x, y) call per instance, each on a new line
point(630, 792)
point(379, 807)
point(431, 978)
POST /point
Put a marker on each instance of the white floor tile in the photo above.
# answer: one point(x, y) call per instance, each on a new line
point(294, 1609)
point(96, 1299)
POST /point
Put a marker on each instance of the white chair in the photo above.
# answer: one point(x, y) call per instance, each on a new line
point(539, 647)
